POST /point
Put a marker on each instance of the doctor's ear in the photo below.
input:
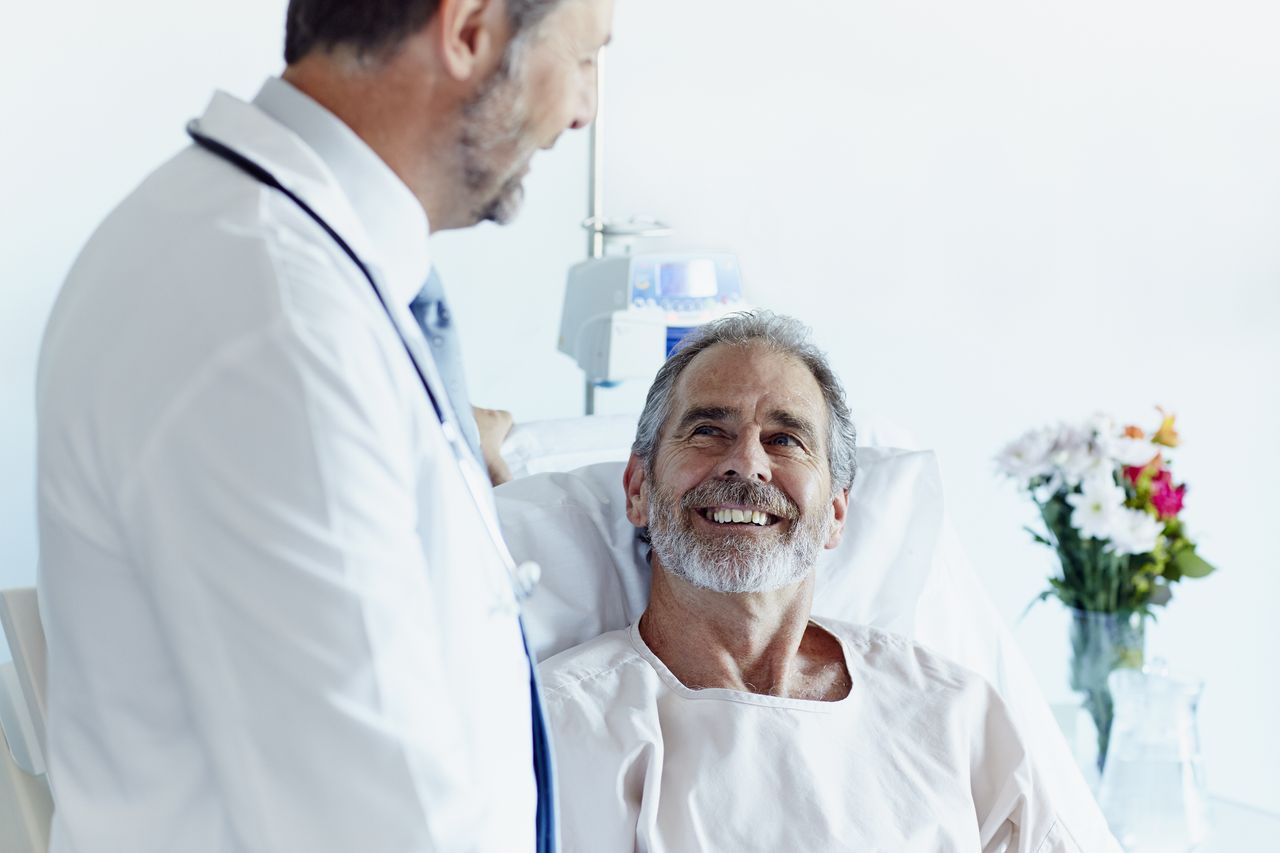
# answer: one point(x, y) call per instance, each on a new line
point(635, 486)
point(473, 36)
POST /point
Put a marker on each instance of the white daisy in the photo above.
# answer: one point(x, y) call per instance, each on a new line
point(1028, 457)
point(1094, 509)
point(1134, 452)
point(1136, 532)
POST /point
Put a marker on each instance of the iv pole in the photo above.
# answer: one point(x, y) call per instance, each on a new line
point(595, 176)
point(601, 231)
point(595, 197)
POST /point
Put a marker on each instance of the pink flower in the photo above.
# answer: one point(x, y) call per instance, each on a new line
point(1165, 496)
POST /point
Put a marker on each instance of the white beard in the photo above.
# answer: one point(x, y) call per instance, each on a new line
point(729, 563)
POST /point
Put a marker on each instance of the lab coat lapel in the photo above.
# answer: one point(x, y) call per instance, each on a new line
point(249, 131)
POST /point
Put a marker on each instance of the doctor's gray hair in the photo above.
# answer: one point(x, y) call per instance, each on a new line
point(784, 335)
point(375, 28)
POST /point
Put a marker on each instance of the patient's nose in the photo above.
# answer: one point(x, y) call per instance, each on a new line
point(746, 459)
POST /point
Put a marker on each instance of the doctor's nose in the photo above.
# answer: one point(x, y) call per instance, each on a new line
point(746, 460)
point(584, 111)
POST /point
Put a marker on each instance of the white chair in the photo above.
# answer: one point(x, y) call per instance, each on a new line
point(26, 806)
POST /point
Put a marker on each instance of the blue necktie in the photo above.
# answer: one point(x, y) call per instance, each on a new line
point(432, 314)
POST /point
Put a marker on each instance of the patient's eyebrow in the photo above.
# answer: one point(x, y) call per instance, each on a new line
point(796, 423)
point(717, 414)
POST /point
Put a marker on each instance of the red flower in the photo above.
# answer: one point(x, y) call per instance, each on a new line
point(1133, 472)
point(1165, 496)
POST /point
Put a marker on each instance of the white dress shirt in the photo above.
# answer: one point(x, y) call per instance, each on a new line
point(275, 620)
point(921, 757)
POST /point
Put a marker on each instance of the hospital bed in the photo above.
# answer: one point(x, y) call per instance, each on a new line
point(899, 567)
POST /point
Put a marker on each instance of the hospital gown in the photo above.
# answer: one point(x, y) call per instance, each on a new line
point(920, 756)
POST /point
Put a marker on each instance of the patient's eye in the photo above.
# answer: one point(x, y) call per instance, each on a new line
point(783, 439)
point(704, 429)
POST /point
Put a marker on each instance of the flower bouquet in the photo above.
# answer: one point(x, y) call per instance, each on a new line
point(1111, 510)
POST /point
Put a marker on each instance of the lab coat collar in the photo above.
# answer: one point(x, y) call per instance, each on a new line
point(314, 154)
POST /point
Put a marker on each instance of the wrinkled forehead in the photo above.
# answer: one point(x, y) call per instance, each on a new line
point(750, 382)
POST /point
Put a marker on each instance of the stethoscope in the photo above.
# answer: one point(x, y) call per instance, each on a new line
point(523, 576)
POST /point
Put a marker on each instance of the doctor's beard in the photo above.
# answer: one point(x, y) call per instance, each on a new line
point(734, 562)
point(495, 124)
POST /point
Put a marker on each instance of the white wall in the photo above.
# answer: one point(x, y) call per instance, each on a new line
point(994, 214)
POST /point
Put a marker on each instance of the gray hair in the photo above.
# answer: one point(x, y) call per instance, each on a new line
point(782, 334)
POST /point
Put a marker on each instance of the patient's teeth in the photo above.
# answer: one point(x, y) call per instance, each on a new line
point(739, 516)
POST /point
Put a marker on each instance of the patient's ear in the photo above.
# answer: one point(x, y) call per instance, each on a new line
point(635, 487)
point(839, 508)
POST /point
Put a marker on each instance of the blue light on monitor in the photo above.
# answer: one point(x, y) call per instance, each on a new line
point(675, 334)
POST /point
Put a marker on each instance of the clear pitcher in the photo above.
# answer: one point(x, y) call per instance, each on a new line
point(1153, 789)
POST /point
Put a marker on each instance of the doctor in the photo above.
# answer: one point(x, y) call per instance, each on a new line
point(277, 614)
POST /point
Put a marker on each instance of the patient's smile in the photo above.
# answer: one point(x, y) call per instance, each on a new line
point(738, 515)
point(739, 504)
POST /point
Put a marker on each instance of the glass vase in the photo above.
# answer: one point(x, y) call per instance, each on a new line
point(1101, 643)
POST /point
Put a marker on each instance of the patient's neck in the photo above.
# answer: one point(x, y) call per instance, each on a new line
point(754, 642)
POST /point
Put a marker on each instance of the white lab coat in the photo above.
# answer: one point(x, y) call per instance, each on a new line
point(275, 621)
point(922, 755)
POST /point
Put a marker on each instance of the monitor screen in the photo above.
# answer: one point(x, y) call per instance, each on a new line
point(687, 279)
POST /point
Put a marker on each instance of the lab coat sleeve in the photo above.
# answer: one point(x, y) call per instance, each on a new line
point(1016, 809)
point(274, 516)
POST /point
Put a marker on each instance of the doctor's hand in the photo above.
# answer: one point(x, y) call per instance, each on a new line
point(494, 425)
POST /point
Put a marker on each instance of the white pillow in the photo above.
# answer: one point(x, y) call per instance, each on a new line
point(564, 444)
point(595, 577)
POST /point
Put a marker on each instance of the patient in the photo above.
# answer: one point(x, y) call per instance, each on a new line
point(728, 718)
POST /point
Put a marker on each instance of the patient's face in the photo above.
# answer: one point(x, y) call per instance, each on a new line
point(739, 498)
